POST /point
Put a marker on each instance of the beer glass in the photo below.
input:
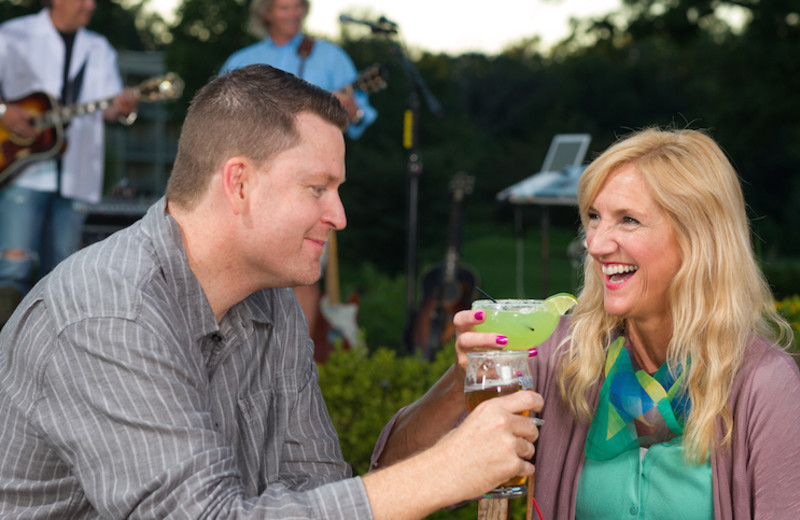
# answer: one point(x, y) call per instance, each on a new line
point(494, 373)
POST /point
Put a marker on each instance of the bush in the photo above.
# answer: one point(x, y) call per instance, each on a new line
point(790, 309)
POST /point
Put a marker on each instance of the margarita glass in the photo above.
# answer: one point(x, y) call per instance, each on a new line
point(526, 323)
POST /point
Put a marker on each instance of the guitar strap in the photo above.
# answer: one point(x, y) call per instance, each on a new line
point(70, 89)
point(304, 51)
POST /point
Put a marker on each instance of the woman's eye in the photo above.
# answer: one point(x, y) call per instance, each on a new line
point(629, 220)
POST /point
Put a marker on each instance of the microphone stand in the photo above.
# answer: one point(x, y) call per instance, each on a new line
point(416, 86)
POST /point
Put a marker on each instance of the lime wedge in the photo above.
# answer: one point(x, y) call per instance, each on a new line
point(561, 302)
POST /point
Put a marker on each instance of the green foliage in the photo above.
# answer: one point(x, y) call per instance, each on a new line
point(363, 391)
point(208, 31)
point(784, 277)
point(790, 309)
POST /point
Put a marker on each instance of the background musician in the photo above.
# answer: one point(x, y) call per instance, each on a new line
point(43, 210)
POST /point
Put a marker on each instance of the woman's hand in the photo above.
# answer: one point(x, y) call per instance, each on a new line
point(467, 339)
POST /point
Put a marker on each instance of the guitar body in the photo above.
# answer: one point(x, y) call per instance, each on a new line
point(49, 118)
point(336, 322)
point(16, 153)
point(441, 300)
point(446, 288)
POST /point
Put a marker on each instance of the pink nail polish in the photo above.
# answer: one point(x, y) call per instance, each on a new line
point(479, 315)
point(501, 340)
point(532, 352)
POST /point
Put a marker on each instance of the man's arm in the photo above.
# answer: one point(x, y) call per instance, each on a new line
point(492, 445)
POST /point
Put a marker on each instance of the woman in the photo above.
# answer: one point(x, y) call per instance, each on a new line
point(666, 392)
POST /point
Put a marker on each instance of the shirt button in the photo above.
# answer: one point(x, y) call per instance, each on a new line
point(634, 510)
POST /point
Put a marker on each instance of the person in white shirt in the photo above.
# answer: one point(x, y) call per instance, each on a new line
point(42, 210)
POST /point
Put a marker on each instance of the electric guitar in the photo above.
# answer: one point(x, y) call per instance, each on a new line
point(448, 287)
point(49, 119)
point(337, 322)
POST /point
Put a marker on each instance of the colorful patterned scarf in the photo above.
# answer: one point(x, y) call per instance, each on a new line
point(630, 397)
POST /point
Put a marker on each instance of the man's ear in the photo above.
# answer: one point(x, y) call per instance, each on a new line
point(237, 173)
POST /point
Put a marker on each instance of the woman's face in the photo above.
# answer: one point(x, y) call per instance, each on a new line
point(633, 247)
point(285, 19)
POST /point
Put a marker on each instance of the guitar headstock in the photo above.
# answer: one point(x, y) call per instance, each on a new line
point(372, 79)
point(160, 88)
point(461, 185)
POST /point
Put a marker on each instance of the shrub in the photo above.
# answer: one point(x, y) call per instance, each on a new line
point(790, 309)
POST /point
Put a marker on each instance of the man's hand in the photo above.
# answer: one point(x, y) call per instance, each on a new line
point(19, 121)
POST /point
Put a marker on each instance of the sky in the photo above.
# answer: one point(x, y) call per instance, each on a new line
point(454, 26)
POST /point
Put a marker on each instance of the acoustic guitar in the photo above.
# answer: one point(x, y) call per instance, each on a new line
point(448, 287)
point(49, 119)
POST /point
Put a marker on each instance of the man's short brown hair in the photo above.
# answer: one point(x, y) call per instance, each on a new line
point(249, 112)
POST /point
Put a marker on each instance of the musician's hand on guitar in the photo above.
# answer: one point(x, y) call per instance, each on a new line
point(124, 104)
point(19, 121)
point(467, 339)
point(347, 99)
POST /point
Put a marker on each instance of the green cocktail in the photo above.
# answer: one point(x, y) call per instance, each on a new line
point(526, 323)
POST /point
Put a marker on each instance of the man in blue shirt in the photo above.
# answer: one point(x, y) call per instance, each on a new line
point(320, 62)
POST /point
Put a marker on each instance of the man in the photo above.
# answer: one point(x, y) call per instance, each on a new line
point(284, 45)
point(167, 371)
point(287, 47)
point(42, 212)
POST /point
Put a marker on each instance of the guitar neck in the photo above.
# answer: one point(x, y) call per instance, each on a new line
point(332, 289)
point(62, 115)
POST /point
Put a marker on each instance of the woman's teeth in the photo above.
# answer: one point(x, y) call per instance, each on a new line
point(619, 273)
point(619, 269)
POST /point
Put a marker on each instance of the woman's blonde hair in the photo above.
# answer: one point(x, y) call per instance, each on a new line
point(719, 297)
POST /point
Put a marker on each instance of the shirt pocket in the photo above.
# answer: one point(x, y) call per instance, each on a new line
point(263, 422)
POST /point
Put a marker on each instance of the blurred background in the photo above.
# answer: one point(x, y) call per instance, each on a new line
point(605, 68)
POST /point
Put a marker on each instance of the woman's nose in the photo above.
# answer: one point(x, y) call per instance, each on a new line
point(600, 241)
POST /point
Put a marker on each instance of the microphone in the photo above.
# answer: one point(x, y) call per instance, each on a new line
point(384, 25)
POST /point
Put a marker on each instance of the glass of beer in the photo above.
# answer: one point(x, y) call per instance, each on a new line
point(494, 373)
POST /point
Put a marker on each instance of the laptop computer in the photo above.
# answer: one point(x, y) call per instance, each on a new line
point(560, 170)
point(566, 150)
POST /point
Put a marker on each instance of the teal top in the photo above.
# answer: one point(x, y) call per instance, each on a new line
point(656, 486)
point(634, 465)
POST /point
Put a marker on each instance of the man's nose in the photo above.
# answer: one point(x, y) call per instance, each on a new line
point(335, 214)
